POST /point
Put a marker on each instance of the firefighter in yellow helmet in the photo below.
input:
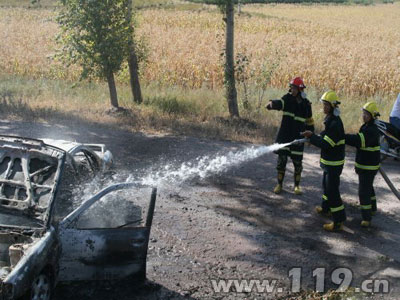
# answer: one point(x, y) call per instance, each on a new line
point(332, 144)
point(367, 160)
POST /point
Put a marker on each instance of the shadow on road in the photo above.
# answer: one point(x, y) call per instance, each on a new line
point(289, 233)
point(145, 291)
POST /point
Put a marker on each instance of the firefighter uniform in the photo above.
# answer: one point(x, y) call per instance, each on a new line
point(297, 117)
point(332, 144)
point(367, 162)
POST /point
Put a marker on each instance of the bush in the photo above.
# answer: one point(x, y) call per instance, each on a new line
point(171, 105)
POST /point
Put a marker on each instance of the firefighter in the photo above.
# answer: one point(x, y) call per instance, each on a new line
point(367, 160)
point(332, 144)
point(297, 117)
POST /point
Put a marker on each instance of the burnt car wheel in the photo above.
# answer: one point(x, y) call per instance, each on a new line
point(41, 288)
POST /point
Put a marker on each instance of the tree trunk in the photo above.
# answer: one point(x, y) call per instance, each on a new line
point(231, 93)
point(134, 76)
point(133, 63)
point(112, 89)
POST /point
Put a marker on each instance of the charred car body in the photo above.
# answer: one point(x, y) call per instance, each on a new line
point(41, 241)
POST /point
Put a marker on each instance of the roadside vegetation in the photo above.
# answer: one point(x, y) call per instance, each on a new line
point(350, 48)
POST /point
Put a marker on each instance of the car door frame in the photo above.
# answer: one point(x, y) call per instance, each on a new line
point(98, 242)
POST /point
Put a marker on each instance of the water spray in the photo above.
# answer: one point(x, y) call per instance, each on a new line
point(207, 166)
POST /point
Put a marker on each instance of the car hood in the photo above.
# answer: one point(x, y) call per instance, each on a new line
point(29, 175)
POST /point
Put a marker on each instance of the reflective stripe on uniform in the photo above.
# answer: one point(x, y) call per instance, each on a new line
point(366, 206)
point(332, 143)
point(371, 168)
point(285, 148)
point(324, 197)
point(289, 114)
point(362, 138)
point(300, 119)
point(372, 149)
point(373, 198)
point(332, 163)
point(329, 140)
point(341, 142)
point(286, 113)
point(336, 209)
point(296, 152)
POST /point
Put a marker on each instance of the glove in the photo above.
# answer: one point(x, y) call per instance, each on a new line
point(307, 134)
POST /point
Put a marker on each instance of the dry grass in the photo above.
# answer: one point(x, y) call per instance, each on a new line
point(170, 110)
point(353, 49)
point(196, 112)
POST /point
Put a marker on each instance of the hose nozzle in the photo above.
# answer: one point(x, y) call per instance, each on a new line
point(299, 141)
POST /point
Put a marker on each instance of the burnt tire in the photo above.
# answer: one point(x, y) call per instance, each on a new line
point(42, 287)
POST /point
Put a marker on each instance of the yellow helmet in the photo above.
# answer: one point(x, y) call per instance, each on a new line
point(372, 108)
point(331, 97)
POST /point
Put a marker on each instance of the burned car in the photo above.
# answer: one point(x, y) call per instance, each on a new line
point(44, 240)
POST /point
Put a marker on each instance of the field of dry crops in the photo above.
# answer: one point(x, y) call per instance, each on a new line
point(354, 49)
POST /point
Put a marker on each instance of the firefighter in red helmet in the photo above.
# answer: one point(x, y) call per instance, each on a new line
point(297, 117)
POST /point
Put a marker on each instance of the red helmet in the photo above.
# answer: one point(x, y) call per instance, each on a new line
point(298, 82)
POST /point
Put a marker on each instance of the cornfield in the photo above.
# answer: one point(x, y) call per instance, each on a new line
point(352, 49)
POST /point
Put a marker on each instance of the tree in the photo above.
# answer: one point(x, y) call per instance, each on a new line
point(133, 62)
point(227, 7)
point(95, 35)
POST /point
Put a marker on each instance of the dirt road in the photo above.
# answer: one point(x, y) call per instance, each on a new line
point(232, 226)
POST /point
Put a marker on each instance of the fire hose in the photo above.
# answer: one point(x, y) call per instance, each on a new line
point(389, 183)
point(299, 141)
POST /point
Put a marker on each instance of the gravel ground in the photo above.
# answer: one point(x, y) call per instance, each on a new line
point(231, 225)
